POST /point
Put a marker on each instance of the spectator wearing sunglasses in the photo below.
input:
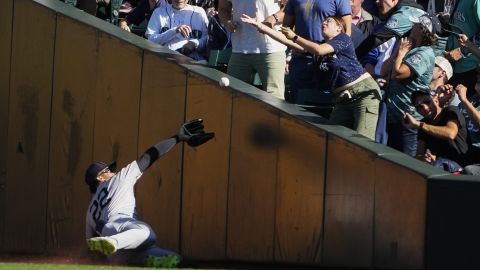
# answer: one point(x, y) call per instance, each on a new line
point(442, 133)
point(306, 17)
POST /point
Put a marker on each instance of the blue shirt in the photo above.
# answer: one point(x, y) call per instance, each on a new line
point(341, 67)
point(472, 127)
point(309, 15)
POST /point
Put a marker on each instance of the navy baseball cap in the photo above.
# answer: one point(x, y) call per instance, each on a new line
point(429, 21)
point(92, 173)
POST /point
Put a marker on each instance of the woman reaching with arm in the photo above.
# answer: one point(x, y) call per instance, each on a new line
point(357, 95)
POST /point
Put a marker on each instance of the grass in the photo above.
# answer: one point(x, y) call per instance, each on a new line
point(47, 266)
point(12, 262)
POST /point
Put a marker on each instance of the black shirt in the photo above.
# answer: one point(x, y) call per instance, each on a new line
point(456, 149)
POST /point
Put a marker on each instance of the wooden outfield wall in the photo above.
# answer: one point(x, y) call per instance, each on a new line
point(74, 89)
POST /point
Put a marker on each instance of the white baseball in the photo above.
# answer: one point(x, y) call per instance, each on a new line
point(224, 81)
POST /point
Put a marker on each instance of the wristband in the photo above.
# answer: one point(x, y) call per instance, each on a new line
point(421, 125)
point(275, 17)
point(294, 39)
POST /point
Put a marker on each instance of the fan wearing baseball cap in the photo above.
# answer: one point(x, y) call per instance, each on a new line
point(442, 72)
point(411, 68)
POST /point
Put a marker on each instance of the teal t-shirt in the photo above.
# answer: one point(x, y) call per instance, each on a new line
point(467, 18)
point(400, 21)
point(421, 61)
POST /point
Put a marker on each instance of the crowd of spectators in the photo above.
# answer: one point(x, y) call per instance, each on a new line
point(400, 72)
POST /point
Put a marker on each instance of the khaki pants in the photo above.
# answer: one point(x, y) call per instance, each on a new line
point(360, 112)
point(270, 68)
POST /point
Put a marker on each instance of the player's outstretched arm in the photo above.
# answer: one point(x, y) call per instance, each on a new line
point(191, 132)
point(153, 153)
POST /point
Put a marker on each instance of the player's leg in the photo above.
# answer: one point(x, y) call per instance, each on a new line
point(122, 233)
point(129, 233)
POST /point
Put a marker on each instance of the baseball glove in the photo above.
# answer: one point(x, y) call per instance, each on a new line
point(193, 134)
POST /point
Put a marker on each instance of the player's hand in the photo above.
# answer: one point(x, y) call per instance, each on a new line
point(192, 132)
point(185, 30)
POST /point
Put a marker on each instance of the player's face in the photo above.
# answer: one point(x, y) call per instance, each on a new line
point(104, 175)
point(384, 6)
point(179, 4)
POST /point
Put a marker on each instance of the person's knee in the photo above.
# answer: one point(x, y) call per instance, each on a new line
point(150, 239)
point(147, 234)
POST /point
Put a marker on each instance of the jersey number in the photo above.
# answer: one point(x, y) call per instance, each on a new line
point(99, 204)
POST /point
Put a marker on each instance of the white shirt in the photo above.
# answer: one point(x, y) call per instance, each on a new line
point(163, 24)
point(246, 38)
point(114, 196)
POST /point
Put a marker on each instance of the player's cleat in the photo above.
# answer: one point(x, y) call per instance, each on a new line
point(169, 261)
point(102, 245)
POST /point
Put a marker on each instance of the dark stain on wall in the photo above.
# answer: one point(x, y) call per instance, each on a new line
point(74, 146)
point(75, 139)
point(28, 101)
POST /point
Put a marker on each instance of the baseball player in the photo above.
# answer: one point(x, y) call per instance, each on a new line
point(111, 221)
